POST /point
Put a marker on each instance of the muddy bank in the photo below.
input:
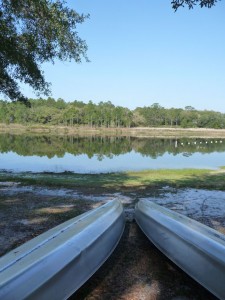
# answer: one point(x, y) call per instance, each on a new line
point(136, 270)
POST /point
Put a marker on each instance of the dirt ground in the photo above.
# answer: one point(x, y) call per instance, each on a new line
point(136, 270)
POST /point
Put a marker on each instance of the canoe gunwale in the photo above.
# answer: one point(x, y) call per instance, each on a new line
point(74, 249)
point(195, 252)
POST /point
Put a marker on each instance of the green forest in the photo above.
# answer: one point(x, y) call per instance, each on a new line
point(104, 114)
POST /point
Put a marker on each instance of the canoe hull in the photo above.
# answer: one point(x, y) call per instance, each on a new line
point(194, 247)
point(55, 264)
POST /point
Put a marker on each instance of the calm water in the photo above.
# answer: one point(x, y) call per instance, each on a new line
point(106, 154)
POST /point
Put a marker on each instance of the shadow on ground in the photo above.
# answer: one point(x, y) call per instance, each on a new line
point(137, 270)
point(25, 216)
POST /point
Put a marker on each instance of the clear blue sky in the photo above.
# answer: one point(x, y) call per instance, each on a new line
point(142, 52)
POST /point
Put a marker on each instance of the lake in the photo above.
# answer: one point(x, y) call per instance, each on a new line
point(94, 154)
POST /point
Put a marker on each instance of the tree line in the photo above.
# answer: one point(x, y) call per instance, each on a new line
point(105, 114)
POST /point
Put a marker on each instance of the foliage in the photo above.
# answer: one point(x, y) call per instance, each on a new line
point(33, 32)
point(106, 115)
point(190, 3)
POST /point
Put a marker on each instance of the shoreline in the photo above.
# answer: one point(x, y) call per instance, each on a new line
point(121, 181)
point(166, 132)
point(136, 269)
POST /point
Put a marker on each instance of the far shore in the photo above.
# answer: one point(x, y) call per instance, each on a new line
point(166, 132)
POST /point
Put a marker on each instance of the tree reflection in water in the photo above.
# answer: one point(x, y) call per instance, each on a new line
point(105, 146)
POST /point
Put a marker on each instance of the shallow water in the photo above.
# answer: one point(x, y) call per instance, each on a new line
point(14, 188)
point(205, 206)
point(199, 203)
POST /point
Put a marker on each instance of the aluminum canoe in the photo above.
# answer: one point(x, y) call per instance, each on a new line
point(194, 247)
point(56, 263)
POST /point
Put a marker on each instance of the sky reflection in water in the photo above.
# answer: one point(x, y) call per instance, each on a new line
point(130, 161)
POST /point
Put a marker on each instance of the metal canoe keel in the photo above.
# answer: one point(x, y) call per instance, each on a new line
point(56, 263)
point(194, 247)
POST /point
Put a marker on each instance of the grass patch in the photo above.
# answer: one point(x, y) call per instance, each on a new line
point(195, 178)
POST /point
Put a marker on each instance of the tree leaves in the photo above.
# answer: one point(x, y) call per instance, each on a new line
point(191, 3)
point(33, 32)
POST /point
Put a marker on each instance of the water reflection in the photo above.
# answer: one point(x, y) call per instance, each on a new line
point(50, 146)
point(106, 153)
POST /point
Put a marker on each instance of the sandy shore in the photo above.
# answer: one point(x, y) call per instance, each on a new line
point(168, 132)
